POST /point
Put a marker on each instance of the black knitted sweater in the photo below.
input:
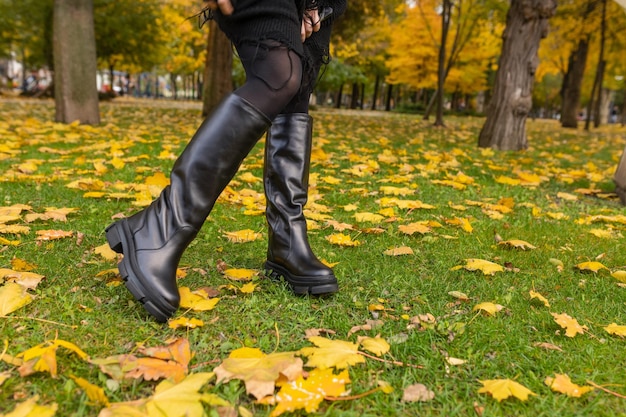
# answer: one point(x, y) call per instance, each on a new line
point(279, 20)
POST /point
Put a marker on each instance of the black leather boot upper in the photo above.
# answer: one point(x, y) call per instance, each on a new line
point(286, 181)
point(153, 240)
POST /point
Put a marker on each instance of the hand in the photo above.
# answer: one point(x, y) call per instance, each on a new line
point(225, 6)
point(310, 23)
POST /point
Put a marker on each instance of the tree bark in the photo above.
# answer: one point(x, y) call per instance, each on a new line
point(75, 67)
point(376, 87)
point(572, 84)
point(527, 24)
point(218, 72)
point(601, 68)
point(441, 71)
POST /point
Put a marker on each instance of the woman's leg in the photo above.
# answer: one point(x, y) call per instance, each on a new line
point(154, 239)
point(286, 181)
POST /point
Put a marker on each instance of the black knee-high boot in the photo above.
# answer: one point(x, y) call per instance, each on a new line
point(286, 181)
point(154, 239)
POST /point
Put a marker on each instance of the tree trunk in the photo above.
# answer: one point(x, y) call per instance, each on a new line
point(218, 71)
point(441, 76)
point(389, 96)
point(75, 68)
point(601, 68)
point(572, 83)
point(526, 25)
point(339, 97)
point(354, 98)
point(376, 87)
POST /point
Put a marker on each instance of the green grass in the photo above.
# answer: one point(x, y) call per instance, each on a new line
point(106, 321)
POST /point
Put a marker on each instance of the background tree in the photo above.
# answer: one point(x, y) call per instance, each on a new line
point(131, 34)
point(218, 79)
point(76, 94)
point(526, 25)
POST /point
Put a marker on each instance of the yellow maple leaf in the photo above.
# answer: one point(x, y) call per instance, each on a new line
point(30, 408)
point(489, 308)
point(538, 296)
point(331, 353)
point(240, 274)
point(243, 236)
point(169, 400)
point(189, 323)
point(591, 266)
point(518, 244)
point(13, 297)
point(501, 389)
point(463, 223)
point(42, 358)
point(14, 229)
point(342, 240)
point(570, 324)
point(411, 228)
point(94, 393)
point(486, 267)
point(402, 250)
point(196, 300)
point(563, 384)
point(376, 345)
point(258, 370)
point(602, 233)
point(368, 217)
point(53, 234)
point(106, 252)
point(308, 393)
point(248, 288)
point(615, 329)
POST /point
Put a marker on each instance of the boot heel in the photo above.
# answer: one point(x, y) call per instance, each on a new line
point(113, 237)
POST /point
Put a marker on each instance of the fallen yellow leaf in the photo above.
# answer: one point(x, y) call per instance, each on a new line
point(563, 384)
point(501, 389)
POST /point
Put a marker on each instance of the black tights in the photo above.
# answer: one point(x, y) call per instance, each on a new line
point(274, 79)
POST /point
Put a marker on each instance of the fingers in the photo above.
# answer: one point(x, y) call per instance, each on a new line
point(225, 6)
point(310, 23)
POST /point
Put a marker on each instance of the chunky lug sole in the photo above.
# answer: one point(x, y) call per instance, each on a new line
point(118, 235)
point(301, 285)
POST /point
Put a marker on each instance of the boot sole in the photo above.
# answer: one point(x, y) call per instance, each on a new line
point(117, 237)
point(300, 285)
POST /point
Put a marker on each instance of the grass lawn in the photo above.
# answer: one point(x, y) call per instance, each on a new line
point(370, 172)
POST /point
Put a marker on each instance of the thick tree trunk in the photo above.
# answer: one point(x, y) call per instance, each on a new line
point(74, 44)
point(527, 24)
point(354, 98)
point(572, 83)
point(339, 97)
point(218, 72)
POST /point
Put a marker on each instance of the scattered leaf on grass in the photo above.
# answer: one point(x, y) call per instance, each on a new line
point(258, 370)
point(401, 250)
point(417, 392)
point(30, 408)
point(489, 308)
point(486, 267)
point(517, 244)
point(240, 274)
point(95, 393)
point(243, 236)
point(544, 300)
point(376, 345)
point(615, 329)
point(308, 394)
point(563, 384)
point(169, 399)
point(331, 353)
point(13, 297)
point(42, 358)
point(189, 323)
point(106, 252)
point(593, 266)
point(53, 234)
point(342, 240)
point(501, 389)
point(571, 326)
point(196, 300)
point(619, 275)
